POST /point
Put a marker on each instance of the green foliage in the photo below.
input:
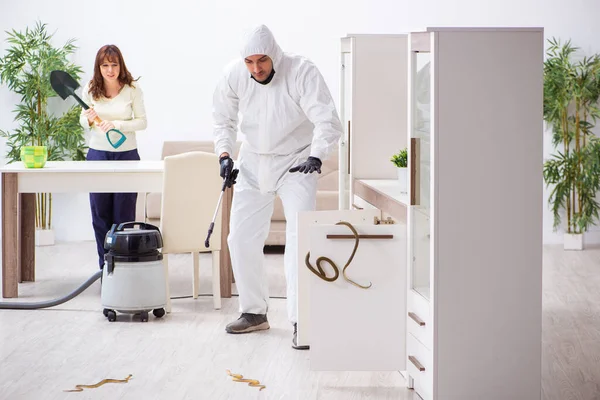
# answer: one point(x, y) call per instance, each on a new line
point(25, 70)
point(400, 160)
point(571, 92)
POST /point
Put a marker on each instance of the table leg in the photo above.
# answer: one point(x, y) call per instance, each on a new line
point(10, 248)
point(225, 262)
point(27, 237)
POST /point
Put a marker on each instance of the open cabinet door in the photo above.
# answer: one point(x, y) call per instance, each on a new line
point(306, 220)
point(353, 328)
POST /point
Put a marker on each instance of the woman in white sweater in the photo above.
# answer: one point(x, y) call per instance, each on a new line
point(118, 101)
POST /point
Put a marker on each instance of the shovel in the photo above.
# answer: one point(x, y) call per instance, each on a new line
point(64, 85)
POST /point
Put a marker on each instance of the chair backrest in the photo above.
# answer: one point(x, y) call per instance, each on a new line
point(191, 189)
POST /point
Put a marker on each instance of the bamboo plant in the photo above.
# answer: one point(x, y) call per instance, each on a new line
point(25, 69)
point(571, 92)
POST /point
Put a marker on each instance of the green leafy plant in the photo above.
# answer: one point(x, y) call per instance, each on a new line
point(571, 92)
point(25, 69)
point(400, 159)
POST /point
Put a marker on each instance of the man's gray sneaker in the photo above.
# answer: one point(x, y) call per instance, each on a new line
point(248, 323)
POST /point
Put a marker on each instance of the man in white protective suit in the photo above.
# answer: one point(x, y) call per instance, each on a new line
point(291, 124)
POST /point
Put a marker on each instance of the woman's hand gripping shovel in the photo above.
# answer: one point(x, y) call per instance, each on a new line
point(228, 182)
point(64, 85)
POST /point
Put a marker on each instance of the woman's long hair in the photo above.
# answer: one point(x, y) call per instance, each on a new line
point(111, 53)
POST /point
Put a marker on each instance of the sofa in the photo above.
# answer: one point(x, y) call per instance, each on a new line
point(327, 189)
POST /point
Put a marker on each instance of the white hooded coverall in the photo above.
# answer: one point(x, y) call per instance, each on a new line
point(285, 121)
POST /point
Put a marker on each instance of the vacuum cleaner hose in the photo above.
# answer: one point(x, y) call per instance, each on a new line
point(51, 303)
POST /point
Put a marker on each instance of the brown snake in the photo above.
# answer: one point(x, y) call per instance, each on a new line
point(251, 382)
point(79, 388)
point(321, 273)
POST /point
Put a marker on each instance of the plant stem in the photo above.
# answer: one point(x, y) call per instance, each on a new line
point(565, 131)
point(39, 112)
point(577, 181)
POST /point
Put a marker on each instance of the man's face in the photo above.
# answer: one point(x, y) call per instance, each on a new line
point(260, 66)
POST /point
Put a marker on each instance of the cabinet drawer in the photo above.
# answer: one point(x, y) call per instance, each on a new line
point(419, 320)
point(419, 367)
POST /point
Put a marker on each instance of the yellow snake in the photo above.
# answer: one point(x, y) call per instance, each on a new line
point(321, 273)
point(102, 382)
point(251, 382)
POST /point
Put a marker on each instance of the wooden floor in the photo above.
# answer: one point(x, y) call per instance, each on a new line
point(182, 356)
point(571, 324)
point(186, 354)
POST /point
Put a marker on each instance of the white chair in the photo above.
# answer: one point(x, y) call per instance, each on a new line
point(191, 189)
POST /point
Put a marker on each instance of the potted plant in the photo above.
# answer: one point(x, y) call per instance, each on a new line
point(571, 92)
point(400, 160)
point(43, 132)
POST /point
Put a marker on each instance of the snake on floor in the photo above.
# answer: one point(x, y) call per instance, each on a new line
point(251, 382)
point(79, 388)
point(321, 273)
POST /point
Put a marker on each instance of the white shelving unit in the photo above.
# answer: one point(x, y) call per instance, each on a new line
point(373, 106)
point(468, 315)
point(475, 219)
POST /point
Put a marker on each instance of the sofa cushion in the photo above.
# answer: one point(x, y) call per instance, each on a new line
point(328, 178)
point(327, 200)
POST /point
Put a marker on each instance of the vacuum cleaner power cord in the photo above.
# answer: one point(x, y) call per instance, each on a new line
point(51, 303)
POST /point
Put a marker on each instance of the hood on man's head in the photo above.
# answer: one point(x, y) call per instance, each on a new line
point(260, 40)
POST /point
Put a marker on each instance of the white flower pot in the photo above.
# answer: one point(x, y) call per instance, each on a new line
point(403, 179)
point(573, 241)
point(44, 237)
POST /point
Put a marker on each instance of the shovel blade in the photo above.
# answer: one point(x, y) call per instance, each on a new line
point(63, 83)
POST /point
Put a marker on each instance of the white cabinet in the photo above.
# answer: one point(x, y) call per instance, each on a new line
point(467, 314)
point(475, 221)
point(373, 107)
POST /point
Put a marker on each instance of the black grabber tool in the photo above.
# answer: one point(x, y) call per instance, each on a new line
point(228, 182)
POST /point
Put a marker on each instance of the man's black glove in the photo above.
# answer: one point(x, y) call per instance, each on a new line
point(231, 179)
point(309, 166)
point(226, 166)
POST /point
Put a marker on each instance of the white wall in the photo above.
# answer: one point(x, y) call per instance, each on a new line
point(179, 49)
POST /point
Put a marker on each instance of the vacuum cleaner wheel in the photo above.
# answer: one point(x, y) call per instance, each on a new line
point(112, 314)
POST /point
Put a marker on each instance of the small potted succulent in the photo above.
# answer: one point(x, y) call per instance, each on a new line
point(400, 160)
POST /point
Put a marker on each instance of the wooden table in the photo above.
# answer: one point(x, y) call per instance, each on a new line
point(20, 184)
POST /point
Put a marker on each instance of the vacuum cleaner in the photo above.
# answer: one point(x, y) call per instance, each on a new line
point(133, 277)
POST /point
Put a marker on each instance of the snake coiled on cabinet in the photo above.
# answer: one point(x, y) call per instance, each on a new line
point(323, 275)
